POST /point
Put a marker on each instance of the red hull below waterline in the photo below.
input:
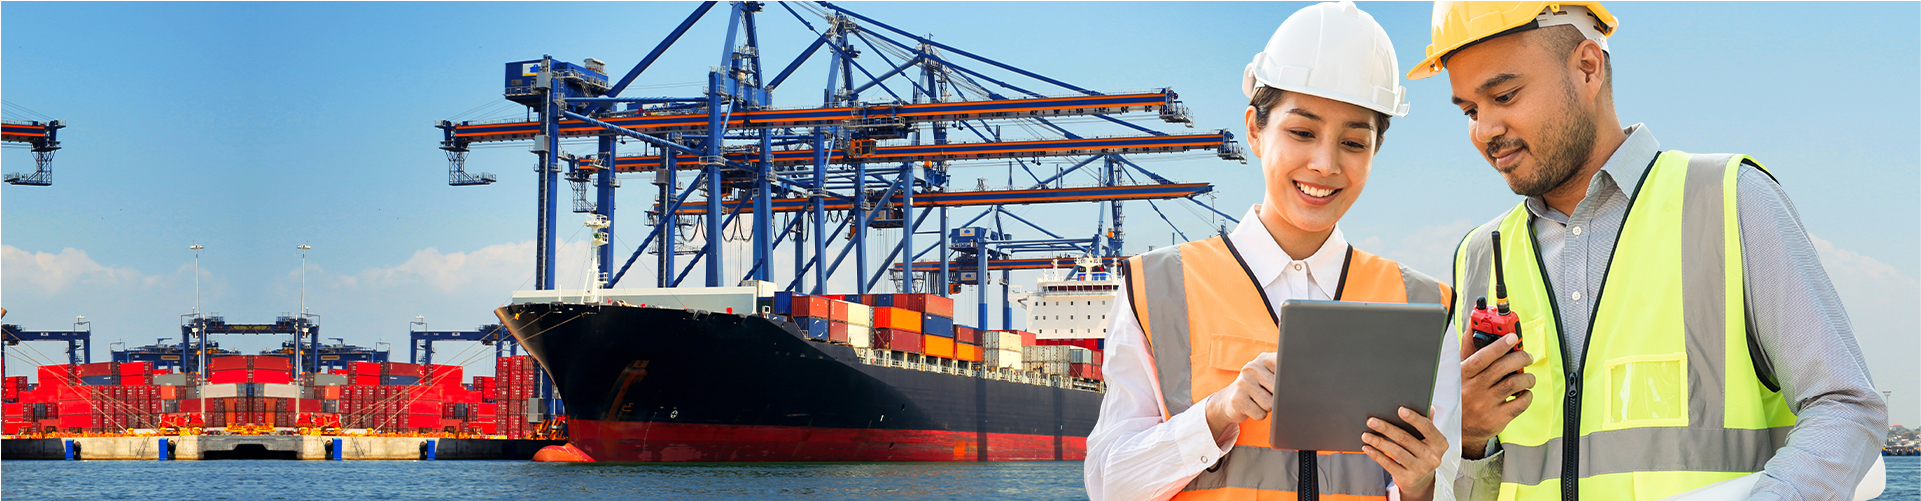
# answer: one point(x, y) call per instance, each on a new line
point(631, 441)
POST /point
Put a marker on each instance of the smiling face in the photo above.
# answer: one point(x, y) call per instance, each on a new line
point(1315, 155)
point(1527, 115)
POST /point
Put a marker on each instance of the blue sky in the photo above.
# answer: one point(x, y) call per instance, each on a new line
point(253, 127)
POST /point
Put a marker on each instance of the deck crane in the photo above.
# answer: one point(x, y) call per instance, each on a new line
point(897, 112)
point(43, 139)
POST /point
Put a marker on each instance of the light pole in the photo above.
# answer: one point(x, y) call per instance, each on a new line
point(200, 358)
point(300, 334)
point(196, 278)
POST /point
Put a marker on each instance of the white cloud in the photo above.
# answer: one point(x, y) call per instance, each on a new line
point(54, 273)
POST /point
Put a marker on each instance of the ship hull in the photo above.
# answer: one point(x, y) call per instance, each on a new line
point(655, 384)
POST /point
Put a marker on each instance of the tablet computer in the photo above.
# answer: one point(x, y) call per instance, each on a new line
point(1339, 363)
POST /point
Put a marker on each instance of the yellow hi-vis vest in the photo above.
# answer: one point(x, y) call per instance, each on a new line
point(1666, 398)
point(1196, 355)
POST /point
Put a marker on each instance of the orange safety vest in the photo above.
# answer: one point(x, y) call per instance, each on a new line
point(1196, 355)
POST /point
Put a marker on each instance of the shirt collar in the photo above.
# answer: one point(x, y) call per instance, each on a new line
point(1622, 171)
point(1266, 260)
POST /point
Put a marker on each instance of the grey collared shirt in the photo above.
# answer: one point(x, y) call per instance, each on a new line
point(1802, 329)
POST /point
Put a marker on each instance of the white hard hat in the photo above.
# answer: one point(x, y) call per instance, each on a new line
point(1335, 51)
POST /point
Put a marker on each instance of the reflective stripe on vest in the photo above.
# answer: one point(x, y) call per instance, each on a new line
point(1671, 401)
point(1194, 356)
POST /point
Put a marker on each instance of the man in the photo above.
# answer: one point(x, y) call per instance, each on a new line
point(1677, 328)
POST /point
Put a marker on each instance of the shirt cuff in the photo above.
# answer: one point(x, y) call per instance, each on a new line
point(1479, 479)
point(1195, 440)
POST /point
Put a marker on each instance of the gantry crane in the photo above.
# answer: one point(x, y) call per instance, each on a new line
point(877, 162)
point(79, 340)
point(42, 139)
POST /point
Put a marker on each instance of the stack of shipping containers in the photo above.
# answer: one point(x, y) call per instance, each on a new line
point(516, 395)
point(924, 324)
point(260, 391)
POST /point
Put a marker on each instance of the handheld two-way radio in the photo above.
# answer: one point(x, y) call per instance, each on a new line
point(1490, 324)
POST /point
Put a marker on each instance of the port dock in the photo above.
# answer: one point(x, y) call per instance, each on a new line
point(292, 447)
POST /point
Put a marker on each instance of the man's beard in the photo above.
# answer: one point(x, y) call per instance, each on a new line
point(1564, 149)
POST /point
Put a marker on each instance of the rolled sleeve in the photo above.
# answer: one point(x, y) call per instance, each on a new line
point(1802, 328)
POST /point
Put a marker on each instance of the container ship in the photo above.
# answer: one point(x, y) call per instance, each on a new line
point(743, 374)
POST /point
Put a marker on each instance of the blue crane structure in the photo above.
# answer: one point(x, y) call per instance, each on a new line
point(307, 351)
point(420, 341)
point(874, 155)
point(43, 139)
point(164, 355)
point(79, 340)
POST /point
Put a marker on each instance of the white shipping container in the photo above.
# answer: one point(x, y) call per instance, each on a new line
point(1055, 368)
point(1002, 357)
point(1080, 355)
point(860, 336)
point(1045, 353)
point(861, 315)
point(1001, 339)
point(220, 390)
point(271, 390)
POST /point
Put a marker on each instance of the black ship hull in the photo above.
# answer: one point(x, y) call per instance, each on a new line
point(645, 384)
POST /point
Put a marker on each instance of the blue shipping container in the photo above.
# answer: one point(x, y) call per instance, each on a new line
point(881, 300)
point(400, 380)
point(815, 328)
point(783, 303)
point(108, 380)
point(936, 326)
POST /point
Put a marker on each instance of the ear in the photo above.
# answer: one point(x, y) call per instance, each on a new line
point(1254, 131)
point(1587, 69)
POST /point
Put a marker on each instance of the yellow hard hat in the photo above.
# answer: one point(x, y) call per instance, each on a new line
point(1458, 24)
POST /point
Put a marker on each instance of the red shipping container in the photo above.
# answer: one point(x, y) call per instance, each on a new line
point(273, 362)
point(364, 369)
point(229, 363)
point(1088, 371)
point(932, 304)
point(230, 376)
point(96, 369)
point(445, 375)
point(1027, 339)
point(967, 335)
point(837, 311)
point(135, 368)
point(812, 307)
point(66, 393)
point(401, 369)
point(366, 380)
point(17, 382)
point(58, 375)
point(837, 331)
point(903, 341)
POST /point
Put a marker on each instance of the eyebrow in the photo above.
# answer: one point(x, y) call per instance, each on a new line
point(1311, 116)
point(1489, 84)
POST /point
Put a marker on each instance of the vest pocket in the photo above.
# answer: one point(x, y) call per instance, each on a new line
point(1645, 390)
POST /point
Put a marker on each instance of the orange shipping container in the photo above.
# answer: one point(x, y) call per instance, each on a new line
point(936, 346)
point(899, 319)
point(968, 352)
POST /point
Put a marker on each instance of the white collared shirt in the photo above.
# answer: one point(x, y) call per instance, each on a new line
point(1133, 454)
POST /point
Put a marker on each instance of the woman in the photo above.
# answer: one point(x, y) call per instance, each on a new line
point(1190, 358)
